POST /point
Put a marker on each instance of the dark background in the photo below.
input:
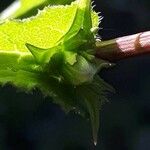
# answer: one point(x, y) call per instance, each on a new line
point(31, 122)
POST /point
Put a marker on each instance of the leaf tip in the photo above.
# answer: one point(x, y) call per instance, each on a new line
point(95, 142)
point(38, 53)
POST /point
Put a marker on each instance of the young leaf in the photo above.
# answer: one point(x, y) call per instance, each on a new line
point(53, 51)
point(93, 95)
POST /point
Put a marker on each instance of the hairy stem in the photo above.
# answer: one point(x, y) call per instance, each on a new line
point(124, 47)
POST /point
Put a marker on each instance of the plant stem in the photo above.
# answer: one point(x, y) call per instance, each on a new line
point(124, 47)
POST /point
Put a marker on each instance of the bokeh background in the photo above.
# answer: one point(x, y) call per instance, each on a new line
point(31, 122)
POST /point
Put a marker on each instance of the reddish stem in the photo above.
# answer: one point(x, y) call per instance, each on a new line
point(124, 47)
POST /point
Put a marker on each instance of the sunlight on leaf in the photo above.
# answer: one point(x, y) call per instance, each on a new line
point(54, 52)
point(26, 8)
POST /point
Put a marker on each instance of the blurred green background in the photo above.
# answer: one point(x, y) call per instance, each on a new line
point(31, 122)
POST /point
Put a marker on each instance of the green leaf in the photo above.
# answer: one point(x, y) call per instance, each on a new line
point(43, 30)
point(26, 8)
point(53, 51)
point(19, 69)
point(94, 95)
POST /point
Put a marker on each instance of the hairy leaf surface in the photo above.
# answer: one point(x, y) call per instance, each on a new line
point(54, 52)
point(26, 8)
